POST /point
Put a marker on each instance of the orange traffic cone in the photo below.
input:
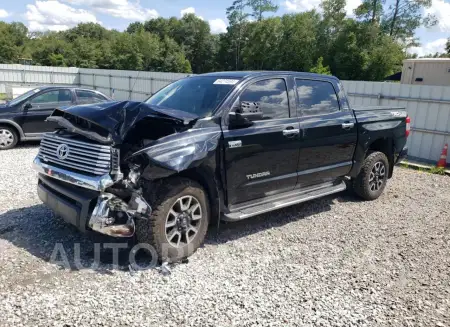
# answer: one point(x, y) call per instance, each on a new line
point(443, 160)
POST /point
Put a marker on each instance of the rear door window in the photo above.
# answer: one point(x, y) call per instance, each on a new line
point(89, 97)
point(316, 97)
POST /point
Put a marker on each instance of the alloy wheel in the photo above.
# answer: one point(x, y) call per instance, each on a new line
point(6, 138)
point(183, 221)
point(377, 176)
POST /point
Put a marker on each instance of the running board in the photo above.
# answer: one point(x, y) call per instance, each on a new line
point(245, 211)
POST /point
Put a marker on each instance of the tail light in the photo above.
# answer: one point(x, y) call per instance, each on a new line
point(408, 125)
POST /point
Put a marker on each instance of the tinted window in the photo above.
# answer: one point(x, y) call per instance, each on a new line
point(316, 97)
point(89, 97)
point(199, 95)
point(271, 96)
point(53, 96)
point(23, 97)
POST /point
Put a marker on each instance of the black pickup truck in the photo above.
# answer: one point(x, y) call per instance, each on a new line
point(224, 146)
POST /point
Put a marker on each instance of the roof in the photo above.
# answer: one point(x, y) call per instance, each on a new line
point(243, 74)
point(72, 87)
point(45, 87)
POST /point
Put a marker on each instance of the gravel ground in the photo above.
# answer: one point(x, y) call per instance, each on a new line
point(336, 261)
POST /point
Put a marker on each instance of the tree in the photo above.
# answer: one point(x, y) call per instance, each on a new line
point(163, 27)
point(260, 52)
point(52, 49)
point(319, 68)
point(237, 18)
point(57, 60)
point(259, 7)
point(370, 11)
point(298, 47)
point(194, 35)
point(172, 59)
point(135, 27)
point(149, 46)
point(124, 52)
point(333, 13)
point(326, 42)
point(18, 33)
point(403, 17)
point(87, 31)
point(447, 47)
point(7, 46)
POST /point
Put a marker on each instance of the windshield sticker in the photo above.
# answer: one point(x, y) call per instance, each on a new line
point(226, 81)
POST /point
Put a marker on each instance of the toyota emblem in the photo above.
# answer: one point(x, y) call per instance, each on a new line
point(62, 151)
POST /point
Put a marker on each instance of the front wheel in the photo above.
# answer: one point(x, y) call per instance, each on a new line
point(8, 138)
point(372, 179)
point(179, 220)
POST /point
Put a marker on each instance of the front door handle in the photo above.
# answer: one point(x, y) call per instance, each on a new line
point(291, 132)
point(348, 125)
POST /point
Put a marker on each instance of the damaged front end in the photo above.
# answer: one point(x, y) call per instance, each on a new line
point(114, 217)
point(106, 150)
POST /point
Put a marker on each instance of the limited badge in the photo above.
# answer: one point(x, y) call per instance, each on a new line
point(235, 144)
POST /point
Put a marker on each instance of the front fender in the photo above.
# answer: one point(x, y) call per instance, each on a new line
point(178, 152)
point(14, 124)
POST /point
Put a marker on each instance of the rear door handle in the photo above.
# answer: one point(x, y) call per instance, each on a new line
point(291, 132)
point(348, 125)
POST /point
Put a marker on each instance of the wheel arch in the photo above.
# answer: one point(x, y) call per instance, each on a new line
point(384, 145)
point(207, 179)
point(10, 123)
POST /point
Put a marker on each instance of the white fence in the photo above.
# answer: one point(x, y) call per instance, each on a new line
point(428, 106)
point(36, 75)
point(126, 84)
point(120, 84)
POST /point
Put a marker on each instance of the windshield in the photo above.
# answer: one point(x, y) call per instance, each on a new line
point(22, 97)
point(199, 95)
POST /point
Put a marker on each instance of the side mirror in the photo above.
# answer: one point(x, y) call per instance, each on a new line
point(27, 106)
point(245, 115)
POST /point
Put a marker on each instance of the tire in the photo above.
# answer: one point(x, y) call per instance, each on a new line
point(372, 178)
point(8, 137)
point(155, 232)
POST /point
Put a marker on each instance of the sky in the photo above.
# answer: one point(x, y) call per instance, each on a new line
point(56, 15)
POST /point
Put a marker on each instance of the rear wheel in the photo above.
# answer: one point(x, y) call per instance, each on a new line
point(8, 137)
point(372, 179)
point(179, 220)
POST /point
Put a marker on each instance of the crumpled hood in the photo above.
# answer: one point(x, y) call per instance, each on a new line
point(119, 117)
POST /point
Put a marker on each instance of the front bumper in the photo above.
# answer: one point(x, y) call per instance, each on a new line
point(82, 201)
point(94, 183)
point(72, 203)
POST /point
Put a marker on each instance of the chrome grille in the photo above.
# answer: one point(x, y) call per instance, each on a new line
point(83, 156)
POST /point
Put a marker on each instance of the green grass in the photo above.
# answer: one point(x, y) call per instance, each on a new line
point(437, 170)
point(2, 96)
point(404, 165)
point(431, 170)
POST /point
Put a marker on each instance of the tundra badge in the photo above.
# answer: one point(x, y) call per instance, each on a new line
point(258, 175)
